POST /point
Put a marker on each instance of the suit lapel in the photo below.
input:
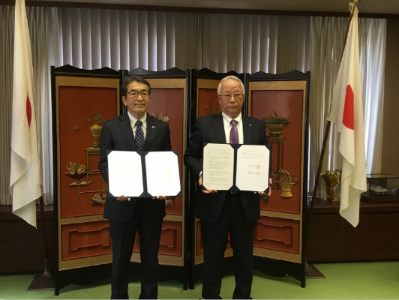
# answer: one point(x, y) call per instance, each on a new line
point(247, 129)
point(151, 129)
point(127, 131)
point(219, 128)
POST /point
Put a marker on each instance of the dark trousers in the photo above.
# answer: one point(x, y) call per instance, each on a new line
point(147, 219)
point(232, 219)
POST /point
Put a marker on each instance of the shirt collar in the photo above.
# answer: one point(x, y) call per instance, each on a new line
point(133, 120)
point(228, 119)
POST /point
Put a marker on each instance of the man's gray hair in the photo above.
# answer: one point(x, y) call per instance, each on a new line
point(231, 77)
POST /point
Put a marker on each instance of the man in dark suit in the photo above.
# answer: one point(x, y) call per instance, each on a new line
point(134, 131)
point(222, 212)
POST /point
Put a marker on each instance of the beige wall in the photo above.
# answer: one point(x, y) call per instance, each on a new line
point(390, 143)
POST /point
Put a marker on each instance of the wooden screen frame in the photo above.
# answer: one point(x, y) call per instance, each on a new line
point(173, 83)
point(284, 85)
point(199, 258)
point(78, 81)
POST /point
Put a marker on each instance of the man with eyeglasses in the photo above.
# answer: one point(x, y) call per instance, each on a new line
point(224, 212)
point(134, 131)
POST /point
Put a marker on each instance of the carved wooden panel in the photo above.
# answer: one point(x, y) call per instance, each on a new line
point(79, 100)
point(287, 153)
point(82, 100)
point(277, 234)
point(207, 103)
point(281, 101)
point(85, 239)
point(170, 102)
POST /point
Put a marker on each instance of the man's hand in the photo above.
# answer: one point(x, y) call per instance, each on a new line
point(262, 193)
point(123, 198)
point(206, 191)
point(170, 202)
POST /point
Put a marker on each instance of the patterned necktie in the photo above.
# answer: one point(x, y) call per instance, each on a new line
point(233, 132)
point(139, 136)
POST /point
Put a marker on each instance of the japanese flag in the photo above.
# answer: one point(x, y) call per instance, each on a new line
point(25, 182)
point(347, 114)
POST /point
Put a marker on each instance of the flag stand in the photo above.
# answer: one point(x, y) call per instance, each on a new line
point(43, 281)
point(311, 271)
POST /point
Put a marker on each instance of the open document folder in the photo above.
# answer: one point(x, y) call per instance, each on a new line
point(143, 174)
point(236, 167)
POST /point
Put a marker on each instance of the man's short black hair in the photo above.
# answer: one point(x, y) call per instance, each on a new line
point(129, 79)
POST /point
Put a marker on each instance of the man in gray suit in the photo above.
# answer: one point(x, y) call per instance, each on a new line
point(134, 131)
point(232, 211)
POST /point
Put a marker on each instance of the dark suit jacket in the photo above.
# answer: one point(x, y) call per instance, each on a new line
point(117, 134)
point(210, 129)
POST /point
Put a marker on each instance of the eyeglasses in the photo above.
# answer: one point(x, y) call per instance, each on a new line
point(236, 96)
point(135, 94)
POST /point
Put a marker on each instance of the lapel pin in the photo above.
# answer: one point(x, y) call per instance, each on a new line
point(153, 126)
point(250, 124)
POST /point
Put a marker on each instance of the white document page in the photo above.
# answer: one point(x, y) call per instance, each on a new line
point(125, 175)
point(252, 168)
point(162, 173)
point(218, 167)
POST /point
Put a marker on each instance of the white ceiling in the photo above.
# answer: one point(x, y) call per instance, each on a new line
point(365, 6)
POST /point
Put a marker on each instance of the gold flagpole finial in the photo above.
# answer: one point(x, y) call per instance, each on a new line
point(353, 4)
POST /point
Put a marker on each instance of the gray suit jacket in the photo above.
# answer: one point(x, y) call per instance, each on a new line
point(117, 134)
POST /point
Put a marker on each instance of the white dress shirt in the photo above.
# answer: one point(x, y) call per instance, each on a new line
point(227, 127)
point(133, 121)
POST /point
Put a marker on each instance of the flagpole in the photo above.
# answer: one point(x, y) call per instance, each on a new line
point(43, 281)
point(25, 183)
point(352, 5)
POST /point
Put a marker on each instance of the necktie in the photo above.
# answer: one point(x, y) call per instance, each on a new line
point(139, 136)
point(233, 132)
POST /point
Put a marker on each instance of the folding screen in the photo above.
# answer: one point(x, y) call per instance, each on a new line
point(82, 100)
point(279, 234)
point(204, 90)
point(169, 94)
point(281, 100)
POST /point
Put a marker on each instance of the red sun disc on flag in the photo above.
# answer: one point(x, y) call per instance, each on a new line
point(28, 110)
point(349, 118)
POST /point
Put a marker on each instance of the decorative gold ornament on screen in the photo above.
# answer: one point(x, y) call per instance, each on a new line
point(276, 124)
point(285, 181)
point(76, 171)
point(96, 119)
point(210, 108)
point(160, 116)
